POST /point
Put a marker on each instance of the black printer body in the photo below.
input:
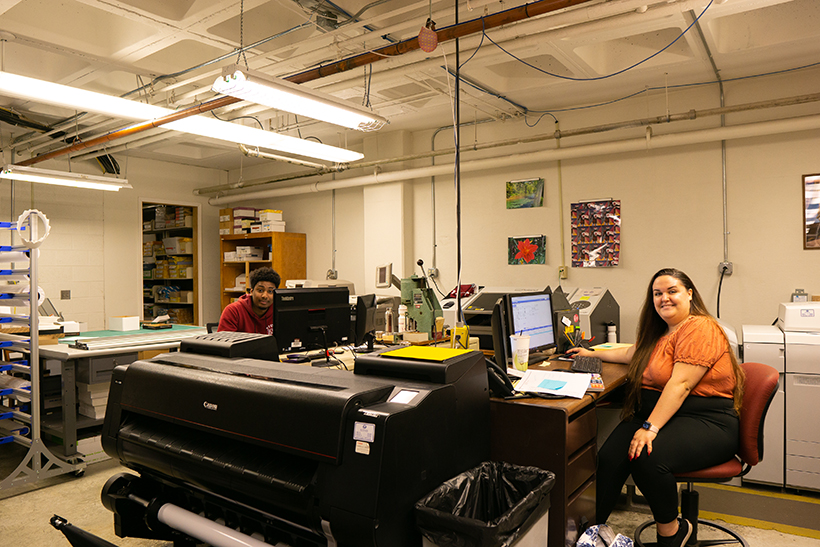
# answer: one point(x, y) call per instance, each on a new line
point(291, 453)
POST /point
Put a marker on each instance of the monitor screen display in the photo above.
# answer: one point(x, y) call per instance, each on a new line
point(532, 314)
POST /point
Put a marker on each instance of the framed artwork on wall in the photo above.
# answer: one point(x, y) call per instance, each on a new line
point(524, 194)
point(811, 211)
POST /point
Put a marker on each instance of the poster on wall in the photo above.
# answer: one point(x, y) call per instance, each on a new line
point(596, 233)
point(527, 250)
point(811, 211)
point(524, 194)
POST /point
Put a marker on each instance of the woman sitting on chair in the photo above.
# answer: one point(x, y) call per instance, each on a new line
point(681, 409)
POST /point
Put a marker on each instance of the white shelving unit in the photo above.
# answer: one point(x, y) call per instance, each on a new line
point(21, 405)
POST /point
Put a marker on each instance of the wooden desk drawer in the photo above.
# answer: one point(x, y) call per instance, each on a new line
point(582, 429)
point(581, 468)
point(94, 370)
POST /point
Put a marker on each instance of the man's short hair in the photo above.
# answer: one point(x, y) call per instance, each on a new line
point(265, 274)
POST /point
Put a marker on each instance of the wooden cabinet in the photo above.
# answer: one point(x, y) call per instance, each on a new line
point(285, 252)
point(169, 258)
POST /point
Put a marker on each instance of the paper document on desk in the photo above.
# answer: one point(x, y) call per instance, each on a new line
point(568, 384)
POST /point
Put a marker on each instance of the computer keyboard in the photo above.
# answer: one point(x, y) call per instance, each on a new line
point(233, 345)
point(584, 363)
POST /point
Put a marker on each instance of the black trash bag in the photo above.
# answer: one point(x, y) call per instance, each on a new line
point(491, 505)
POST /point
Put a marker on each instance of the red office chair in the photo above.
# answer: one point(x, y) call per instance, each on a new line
point(761, 385)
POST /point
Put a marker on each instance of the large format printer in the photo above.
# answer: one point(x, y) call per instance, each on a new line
point(791, 454)
point(290, 453)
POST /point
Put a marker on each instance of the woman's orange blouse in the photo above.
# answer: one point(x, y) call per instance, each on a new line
point(698, 341)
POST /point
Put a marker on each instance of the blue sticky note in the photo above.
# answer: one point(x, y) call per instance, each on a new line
point(552, 384)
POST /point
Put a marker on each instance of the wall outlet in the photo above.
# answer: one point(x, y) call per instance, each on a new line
point(332, 274)
point(432, 273)
point(65, 295)
point(726, 267)
point(562, 272)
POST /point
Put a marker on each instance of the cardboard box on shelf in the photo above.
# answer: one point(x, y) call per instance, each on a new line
point(249, 252)
point(270, 214)
point(178, 245)
point(226, 215)
point(273, 226)
point(230, 256)
point(244, 212)
point(225, 231)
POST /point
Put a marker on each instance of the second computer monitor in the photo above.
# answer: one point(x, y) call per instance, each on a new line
point(310, 318)
point(531, 314)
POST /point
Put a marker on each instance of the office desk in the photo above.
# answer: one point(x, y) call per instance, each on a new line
point(94, 366)
point(558, 435)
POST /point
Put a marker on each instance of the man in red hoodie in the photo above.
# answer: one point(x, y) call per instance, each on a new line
point(253, 312)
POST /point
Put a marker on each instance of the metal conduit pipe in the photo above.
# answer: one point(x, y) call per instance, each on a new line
point(557, 134)
point(806, 123)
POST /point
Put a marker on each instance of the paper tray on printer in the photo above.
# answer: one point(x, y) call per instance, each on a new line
point(206, 460)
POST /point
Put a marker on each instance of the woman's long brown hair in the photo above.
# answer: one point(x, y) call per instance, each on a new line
point(651, 327)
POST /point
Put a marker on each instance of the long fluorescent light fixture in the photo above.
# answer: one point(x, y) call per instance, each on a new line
point(259, 88)
point(40, 91)
point(77, 180)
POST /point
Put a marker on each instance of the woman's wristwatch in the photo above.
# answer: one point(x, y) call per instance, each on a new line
point(650, 427)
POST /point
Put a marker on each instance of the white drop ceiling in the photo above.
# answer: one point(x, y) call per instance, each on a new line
point(170, 51)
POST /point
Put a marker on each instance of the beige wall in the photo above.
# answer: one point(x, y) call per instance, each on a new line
point(95, 246)
point(671, 206)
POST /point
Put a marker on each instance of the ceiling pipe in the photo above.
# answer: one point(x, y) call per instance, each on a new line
point(557, 134)
point(506, 17)
point(703, 136)
point(136, 128)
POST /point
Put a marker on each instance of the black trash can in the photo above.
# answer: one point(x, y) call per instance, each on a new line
point(493, 505)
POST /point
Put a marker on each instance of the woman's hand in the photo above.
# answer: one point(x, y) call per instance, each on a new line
point(579, 351)
point(642, 437)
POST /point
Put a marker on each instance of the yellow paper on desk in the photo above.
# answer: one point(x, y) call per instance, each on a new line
point(425, 353)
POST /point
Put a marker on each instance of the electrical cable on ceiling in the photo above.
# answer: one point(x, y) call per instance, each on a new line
point(616, 73)
point(646, 90)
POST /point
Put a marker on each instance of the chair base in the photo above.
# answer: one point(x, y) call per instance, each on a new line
point(733, 538)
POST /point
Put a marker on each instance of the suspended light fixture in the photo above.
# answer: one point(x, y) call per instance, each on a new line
point(255, 87)
point(77, 180)
point(40, 91)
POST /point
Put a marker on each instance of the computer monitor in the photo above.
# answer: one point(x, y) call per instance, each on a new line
point(531, 313)
point(364, 323)
point(310, 318)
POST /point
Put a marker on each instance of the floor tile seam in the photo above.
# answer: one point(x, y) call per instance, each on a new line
point(762, 524)
point(778, 495)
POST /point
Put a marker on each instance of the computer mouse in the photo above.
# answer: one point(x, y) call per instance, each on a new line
point(448, 304)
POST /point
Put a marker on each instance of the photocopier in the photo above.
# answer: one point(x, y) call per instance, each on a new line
point(286, 453)
point(791, 455)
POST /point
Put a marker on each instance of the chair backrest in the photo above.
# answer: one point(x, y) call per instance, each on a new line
point(211, 326)
point(761, 386)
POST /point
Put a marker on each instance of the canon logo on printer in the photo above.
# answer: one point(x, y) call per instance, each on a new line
point(287, 299)
point(209, 406)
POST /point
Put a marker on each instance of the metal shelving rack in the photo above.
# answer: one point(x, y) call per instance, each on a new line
point(24, 427)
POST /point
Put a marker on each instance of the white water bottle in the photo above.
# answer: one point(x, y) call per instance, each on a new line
point(611, 333)
point(402, 318)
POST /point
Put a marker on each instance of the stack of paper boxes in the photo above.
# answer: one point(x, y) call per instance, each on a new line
point(92, 399)
point(247, 220)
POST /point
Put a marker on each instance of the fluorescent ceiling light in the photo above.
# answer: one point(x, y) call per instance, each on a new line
point(22, 87)
point(280, 94)
point(77, 180)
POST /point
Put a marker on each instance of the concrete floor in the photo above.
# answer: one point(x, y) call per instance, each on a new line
point(25, 512)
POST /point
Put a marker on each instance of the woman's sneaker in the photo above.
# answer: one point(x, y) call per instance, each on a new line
point(679, 539)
